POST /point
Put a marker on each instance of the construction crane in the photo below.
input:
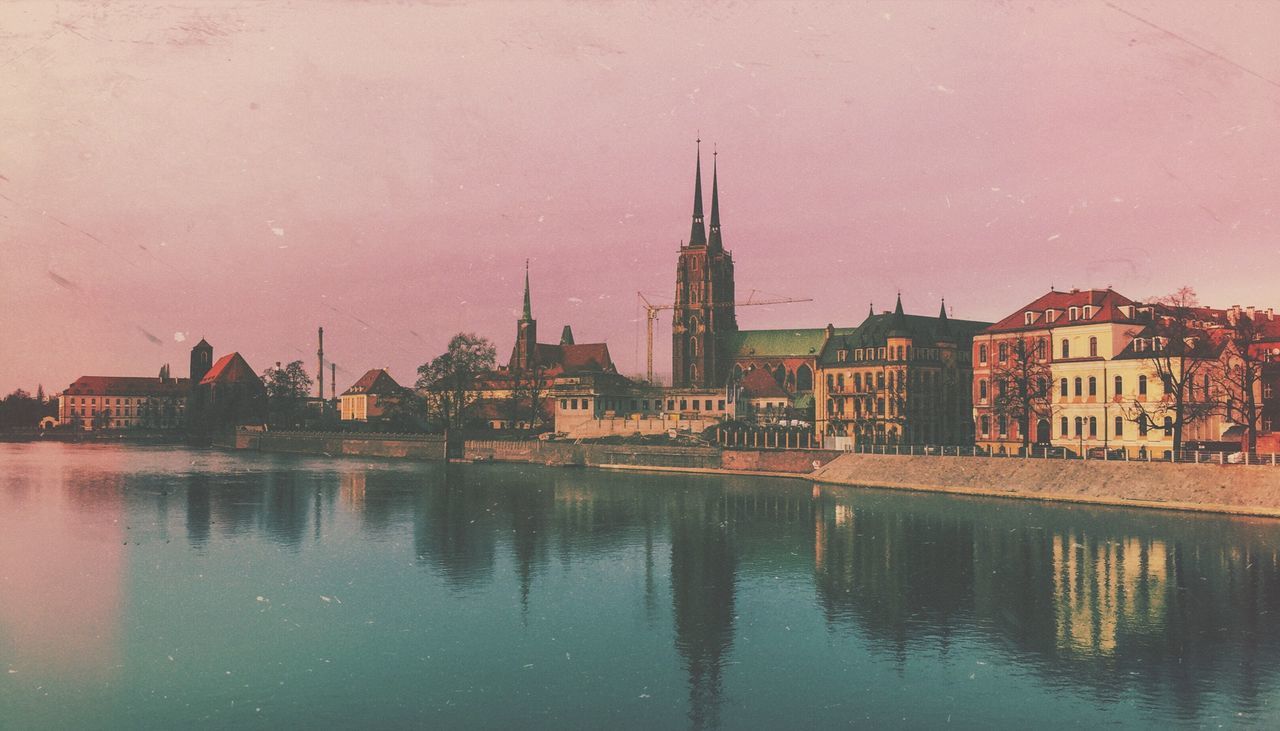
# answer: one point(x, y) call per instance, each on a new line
point(652, 311)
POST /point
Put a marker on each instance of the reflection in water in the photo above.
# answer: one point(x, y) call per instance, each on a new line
point(1160, 617)
point(703, 563)
point(1092, 604)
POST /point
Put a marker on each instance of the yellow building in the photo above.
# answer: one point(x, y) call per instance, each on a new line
point(368, 397)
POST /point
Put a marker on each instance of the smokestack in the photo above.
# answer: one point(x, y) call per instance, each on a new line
point(333, 381)
point(320, 355)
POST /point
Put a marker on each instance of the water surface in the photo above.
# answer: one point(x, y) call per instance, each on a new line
point(157, 588)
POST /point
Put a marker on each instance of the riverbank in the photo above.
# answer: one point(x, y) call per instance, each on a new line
point(1231, 489)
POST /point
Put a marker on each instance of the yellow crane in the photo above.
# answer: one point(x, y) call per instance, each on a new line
point(652, 311)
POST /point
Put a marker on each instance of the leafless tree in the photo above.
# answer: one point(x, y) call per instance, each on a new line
point(1022, 381)
point(1238, 376)
point(1181, 352)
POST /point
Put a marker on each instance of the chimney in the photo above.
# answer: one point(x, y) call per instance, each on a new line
point(1250, 310)
point(1271, 313)
point(333, 381)
point(320, 355)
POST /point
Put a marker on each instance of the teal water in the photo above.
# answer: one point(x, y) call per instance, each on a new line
point(161, 588)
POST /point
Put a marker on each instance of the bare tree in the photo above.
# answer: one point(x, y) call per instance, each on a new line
point(1022, 380)
point(1238, 376)
point(1180, 351)
point(528, 392)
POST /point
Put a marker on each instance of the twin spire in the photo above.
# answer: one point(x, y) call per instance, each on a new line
point(698, 234)
point(528, 310)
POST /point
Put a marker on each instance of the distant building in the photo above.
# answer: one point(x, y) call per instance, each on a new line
point(898, 379)
point(761, 399)
point(369, 396)
point(225, 394)
point(124, 402)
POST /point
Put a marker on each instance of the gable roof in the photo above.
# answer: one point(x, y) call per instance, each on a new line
point(231, 368)
point(571, 358)
point(376, 382)
point(128, 385)
point(924, 331)
point(759, 383)
point(796, 342)
point(1106, 305)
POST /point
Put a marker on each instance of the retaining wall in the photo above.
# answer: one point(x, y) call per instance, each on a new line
point(756, 460)
point(590, 455)
point(1229, 488)
point(429, 447)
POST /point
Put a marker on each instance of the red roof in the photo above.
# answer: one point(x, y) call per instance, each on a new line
point(230, 368)
point(376, 382)
point(1106, 305)
point(128, 385)
point(571, 359)
point(759, 383)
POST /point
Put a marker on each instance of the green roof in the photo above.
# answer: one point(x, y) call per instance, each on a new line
point(802, 342)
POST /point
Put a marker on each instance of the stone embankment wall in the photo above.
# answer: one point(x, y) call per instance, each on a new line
point(1219, 488)
point(591, 455)
point(763, 460)
point(429, 447)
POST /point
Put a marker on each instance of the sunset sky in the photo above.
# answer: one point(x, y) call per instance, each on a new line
point(248, 171)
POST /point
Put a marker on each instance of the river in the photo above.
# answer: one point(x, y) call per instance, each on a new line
point(158, 588)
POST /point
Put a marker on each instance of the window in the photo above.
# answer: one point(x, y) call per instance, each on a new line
point(1142, 427)
point(671, 404)
point(840, 382)
point(693, 346)
point(1093, 347)
point(857, 381)
point(696, 404)
point(1042, 345)
point(1028, 318)
point(1066, 348)
point(1064, 388)
point(1064, 426)
point(899, 352)
point(982, 354)
point(575, 403)
point(1142, 385)
point(1079, 427)
point(1093, 386)
point(707, 405)
point(721, 402)
point(1119, 386)
point(1088, 312)
point(880, 353)
point(1205, 382)
point(831, 381)
point(1004, 352)
point(1093, 427)
point(586, 403)
point(1119, 426)
point(982, 390)
point(986, 424)
point(1267, 390)
point(684, 405)
point(842, 355)
point(1168, 426)
point(880, 381)
point(858, 354)
point(1000, 388)
point(1073, 313)
point(1003, 423)
point(1079, 386)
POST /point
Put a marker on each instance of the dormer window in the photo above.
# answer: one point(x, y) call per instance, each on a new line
point(842, 355)
point(1028, 317)
point(1073, 313)
point(1088, 312)
point(1050, 315)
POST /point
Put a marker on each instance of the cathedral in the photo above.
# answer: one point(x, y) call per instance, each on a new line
point(704, 307)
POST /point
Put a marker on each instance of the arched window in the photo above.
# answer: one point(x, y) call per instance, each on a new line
point(1066, 348)
point(1168, 426)
point(840, 382)
point(1064, 388)
point(737, 372)
point(804, 378)
point(1004, 352)
point(1041, 346)
point(1064, 426)
point(1119, 426)
point(986, 424)
point(982, 390)
point(1142, 385)
point(693, 347)
point(1079, 386)
point(1093, 386)
point(1079, 426)
point(1119, 386)
point(1003, 423)
point(982, 353)
point(857, 381)
point(780, 375)
point(1093, 347)
point(1093, 427)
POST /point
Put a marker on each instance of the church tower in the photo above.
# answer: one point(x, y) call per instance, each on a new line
point(201, 361)
point(525, 352)
point(704, 310)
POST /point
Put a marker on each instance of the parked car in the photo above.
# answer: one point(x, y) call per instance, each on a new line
point(1104, 453)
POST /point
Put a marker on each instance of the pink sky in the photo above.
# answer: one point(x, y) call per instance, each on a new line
point(247, 171)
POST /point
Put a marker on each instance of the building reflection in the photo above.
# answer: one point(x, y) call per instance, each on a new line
point(1084, 597)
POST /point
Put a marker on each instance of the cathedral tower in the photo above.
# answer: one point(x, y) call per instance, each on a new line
point(704, 310)
point(525, 352)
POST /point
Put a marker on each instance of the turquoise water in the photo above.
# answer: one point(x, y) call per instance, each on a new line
point(159, 588)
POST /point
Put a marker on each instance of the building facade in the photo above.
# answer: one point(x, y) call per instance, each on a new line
point(368, 398)
point(124, 402)
point(898, 379)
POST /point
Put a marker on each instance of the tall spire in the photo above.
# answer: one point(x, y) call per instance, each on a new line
point(698, 235)
point(872, 312)
point(715, 242)
point(897, 310)
point(528, 311)
point(942, 312)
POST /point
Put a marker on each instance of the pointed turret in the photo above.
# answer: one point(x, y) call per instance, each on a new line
point(871, 312)
point(944, 324)
point(897, 310)
point(566, 336)
point(898, 321)
point(715, 243)
point(698, 235)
